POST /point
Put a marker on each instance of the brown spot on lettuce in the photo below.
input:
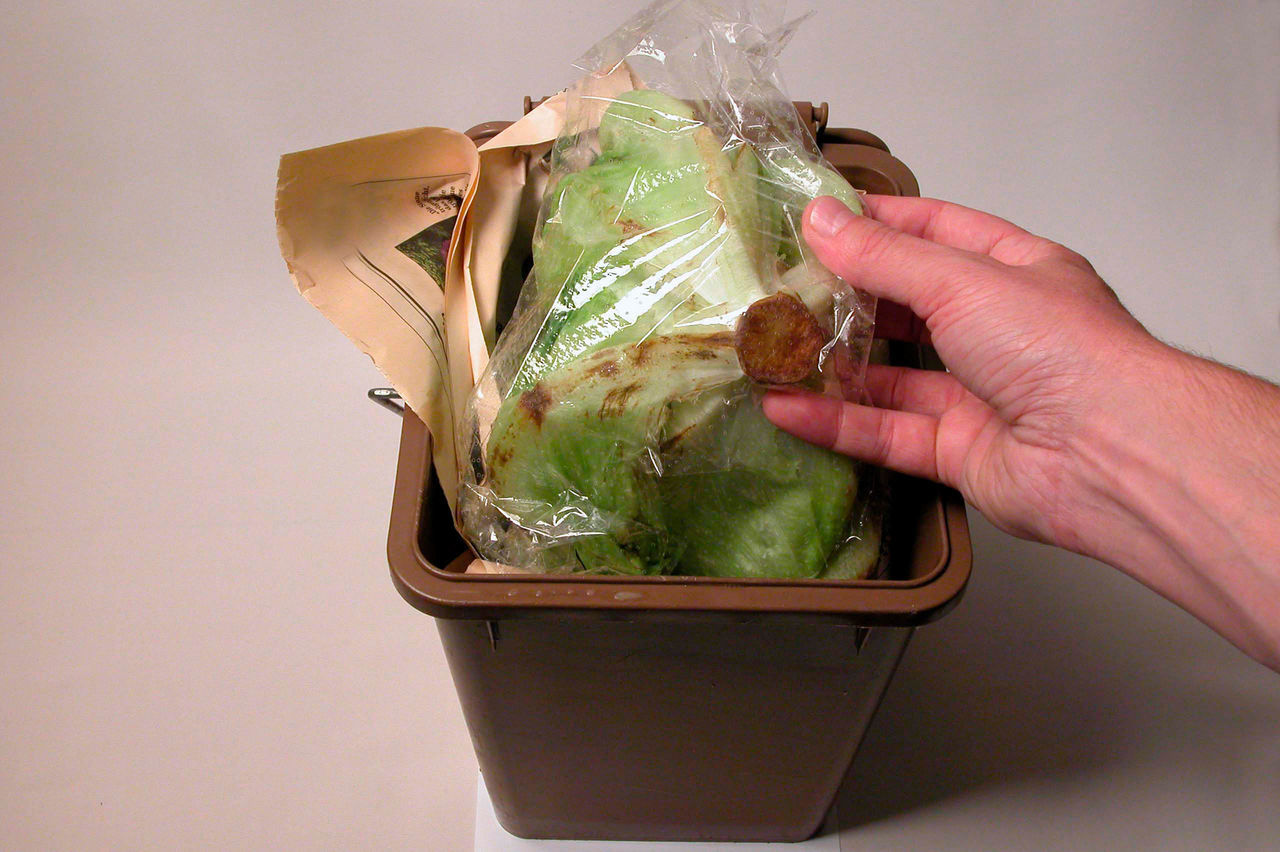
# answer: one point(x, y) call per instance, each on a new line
point(615, 401)
point(606, 370)
point(535, 402)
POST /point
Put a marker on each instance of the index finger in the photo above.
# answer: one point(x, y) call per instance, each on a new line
point(959, 227)
point(884, 261)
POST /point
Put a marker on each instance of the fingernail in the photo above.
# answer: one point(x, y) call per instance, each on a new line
point(827, 216)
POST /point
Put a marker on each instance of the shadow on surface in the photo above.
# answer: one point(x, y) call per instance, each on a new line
point(1051, 666)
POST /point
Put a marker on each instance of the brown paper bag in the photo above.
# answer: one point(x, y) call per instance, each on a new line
point(364, 227)
point(404, 241)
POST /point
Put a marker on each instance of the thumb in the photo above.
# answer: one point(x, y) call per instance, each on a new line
point(882, 260)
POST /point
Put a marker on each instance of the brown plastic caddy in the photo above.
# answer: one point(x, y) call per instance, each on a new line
point(676, 708)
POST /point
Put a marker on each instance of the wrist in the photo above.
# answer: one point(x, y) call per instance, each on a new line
point(1179, 469)
point(1127, 474)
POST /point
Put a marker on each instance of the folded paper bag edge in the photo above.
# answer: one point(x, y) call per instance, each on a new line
point(342, 213)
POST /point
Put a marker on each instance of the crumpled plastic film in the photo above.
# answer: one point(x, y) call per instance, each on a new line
point(618, 426)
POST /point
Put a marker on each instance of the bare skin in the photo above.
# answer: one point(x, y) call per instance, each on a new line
point(1061, 418)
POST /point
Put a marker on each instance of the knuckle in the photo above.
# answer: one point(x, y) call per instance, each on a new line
point(1062, 254)
point(883, 439)
point(936, 464)
point(1105, 291)
point(877, 243)
point(842, 437)
point(898, 391)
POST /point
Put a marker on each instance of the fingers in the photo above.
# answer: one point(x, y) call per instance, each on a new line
point(886, 262)
point(960, 227)
point(928, 392)
point(899, 440)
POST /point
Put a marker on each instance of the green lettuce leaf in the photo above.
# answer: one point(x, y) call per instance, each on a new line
point(628, 439)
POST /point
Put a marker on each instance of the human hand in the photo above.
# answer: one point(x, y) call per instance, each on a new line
point(1060, 419)
point(1032, 338)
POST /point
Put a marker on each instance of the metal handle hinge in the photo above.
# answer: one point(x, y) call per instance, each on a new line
point(388, 398)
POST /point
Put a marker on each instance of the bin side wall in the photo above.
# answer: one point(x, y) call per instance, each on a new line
point(618, 729)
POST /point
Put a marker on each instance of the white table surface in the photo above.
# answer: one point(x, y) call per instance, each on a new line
point(199, 643)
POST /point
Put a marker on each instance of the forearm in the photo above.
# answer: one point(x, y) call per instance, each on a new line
point(1183, 492)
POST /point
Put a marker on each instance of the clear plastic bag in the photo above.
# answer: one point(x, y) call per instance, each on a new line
point(618, 426)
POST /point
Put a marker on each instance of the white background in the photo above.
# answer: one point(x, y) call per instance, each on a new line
point(199, 643)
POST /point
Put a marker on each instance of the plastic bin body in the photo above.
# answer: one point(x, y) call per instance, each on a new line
point(675, 708)
point(683, 730)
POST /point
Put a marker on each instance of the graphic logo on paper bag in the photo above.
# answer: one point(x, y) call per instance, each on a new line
point(428, 247)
